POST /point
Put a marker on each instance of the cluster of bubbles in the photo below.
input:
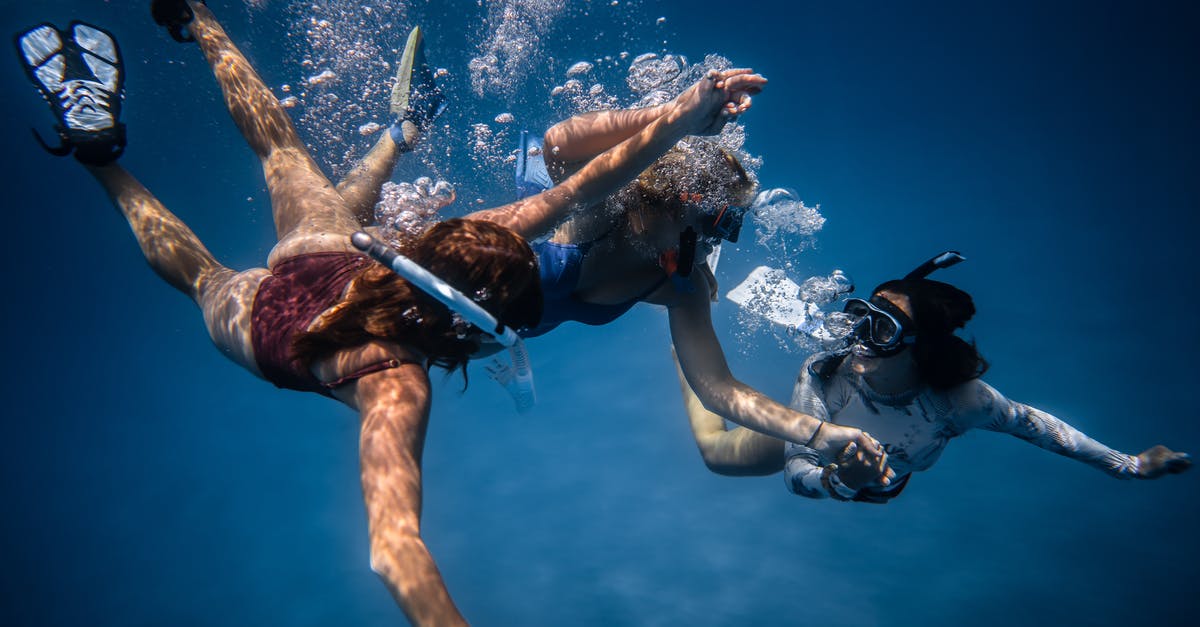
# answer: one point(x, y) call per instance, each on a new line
point(649, 72)
point(492, 148)
point(409, 209)
point(796, 316)
point(824, 290)
point(515, 31)
point(345, 52)
point(783, 222)
point(582, 89)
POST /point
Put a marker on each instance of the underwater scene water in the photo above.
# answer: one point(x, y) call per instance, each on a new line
point(150, 481)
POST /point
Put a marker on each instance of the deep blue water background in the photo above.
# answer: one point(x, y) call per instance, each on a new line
point(147, 481)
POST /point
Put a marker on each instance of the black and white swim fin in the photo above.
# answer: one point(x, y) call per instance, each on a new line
point(79, 73)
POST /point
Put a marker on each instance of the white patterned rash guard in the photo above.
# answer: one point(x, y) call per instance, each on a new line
point(914, 427)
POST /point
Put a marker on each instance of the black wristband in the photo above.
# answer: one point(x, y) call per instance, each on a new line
point(814, 435)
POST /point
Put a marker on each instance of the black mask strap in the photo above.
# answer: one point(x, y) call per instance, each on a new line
point(687, 252)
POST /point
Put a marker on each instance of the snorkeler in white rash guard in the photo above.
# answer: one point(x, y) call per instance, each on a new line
point(907, 379)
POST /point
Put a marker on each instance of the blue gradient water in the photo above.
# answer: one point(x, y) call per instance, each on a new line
point(148, 481)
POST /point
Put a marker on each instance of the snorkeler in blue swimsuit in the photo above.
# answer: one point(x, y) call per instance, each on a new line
point(650, 244)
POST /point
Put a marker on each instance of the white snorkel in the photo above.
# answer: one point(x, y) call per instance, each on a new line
point(520, 383)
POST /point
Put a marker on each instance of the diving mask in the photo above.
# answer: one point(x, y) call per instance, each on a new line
point(880, 326)
point(722, 224)
point(726, 224)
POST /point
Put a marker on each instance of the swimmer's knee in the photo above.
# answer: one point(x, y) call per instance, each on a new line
point(716, 463)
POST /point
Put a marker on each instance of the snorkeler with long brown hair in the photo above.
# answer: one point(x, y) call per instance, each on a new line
point(321, 316)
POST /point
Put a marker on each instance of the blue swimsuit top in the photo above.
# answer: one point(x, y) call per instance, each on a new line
point(559, 266)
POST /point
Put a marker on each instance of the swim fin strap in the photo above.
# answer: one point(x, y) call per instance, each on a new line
point(532, 177)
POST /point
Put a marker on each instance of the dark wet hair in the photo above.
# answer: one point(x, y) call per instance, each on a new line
point(484, 260)
point(943, 359)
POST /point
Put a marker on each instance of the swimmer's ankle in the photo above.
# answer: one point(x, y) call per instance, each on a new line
point(406, 134)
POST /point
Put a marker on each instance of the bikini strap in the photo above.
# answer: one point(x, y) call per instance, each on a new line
point(378, 366)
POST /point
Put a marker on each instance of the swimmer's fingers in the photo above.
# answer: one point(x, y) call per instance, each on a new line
point(703, 101)
point(848, 453)
point(747, 82)
point(737, 71)
point(875, 455)
point(888, 475)
point(742, 104)
point(733, 109)
point(869, 444)
point(1159, 460)
point(1179, 463)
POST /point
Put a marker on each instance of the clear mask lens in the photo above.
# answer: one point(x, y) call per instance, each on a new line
point(883, 330)
point(874, 325)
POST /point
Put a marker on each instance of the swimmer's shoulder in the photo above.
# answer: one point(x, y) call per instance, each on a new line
point(374, 356)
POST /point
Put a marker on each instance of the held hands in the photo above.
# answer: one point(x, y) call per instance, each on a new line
point(860, 458)
point(859, 469)
point(718, 98)
point(1159, 460)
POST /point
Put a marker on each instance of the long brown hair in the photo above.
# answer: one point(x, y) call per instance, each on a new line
point(486, 261)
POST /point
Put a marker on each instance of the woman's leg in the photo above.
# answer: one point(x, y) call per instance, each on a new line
point(416, 101)
point(737, 452)
point(180, 258)
point(310, 215)
point(361, 186)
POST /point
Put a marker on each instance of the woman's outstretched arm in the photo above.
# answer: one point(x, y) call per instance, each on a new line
point(735, 452)
point(703, 364)
point(578, 139)
point(575, 141)
point(990, 410)
point(394, 409)
point(702, 109)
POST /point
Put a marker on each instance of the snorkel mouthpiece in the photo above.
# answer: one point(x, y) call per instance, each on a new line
point(520, 386)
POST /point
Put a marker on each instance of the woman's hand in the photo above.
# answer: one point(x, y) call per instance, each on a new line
point(718, 98)
point(1159, 460)
point(858, 469)
point(861, 459)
